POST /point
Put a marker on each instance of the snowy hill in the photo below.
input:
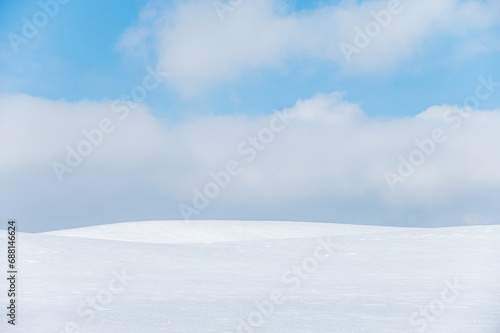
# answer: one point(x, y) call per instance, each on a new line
point(213, 231)
point(235, 276)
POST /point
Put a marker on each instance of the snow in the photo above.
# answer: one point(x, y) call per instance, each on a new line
point(223, 276)
point(212, 231)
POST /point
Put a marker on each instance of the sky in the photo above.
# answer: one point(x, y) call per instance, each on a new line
point(366, 112)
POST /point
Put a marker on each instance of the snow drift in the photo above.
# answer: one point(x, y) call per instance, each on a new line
point(235, 276)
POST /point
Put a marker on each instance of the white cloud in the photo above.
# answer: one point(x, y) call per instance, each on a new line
point(328, 165)
point(199, 50)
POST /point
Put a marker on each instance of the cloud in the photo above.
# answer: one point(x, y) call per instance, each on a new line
point(190, 40)
point(329, 163)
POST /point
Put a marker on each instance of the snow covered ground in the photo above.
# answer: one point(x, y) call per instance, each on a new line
point(234, 276)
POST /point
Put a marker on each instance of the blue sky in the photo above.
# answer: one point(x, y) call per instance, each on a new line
point(78, 51)
point(359, 119)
